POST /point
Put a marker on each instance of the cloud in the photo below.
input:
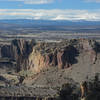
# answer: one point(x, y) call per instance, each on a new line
point(33, 1)
point(97, 1)
point(54, 14)
point(38, 1)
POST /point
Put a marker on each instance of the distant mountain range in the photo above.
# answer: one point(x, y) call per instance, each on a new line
point(29, 22)
point(51, 25)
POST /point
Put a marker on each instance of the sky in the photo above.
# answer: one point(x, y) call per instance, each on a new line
point(50, 9)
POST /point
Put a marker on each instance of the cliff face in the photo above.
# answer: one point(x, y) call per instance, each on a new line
point(62, 55)
point(20, 52)
point(46, 55)
point(31, 56)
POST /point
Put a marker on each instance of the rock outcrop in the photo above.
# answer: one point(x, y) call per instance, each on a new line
point(20, 52)
point(82, 55)
point(31, 56)
point(46, 55)
point(63, 54)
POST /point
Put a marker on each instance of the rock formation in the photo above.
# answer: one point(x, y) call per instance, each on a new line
point(31, 56)
point(84, 89)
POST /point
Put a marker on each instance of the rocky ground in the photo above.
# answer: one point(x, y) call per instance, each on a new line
point(40, 69)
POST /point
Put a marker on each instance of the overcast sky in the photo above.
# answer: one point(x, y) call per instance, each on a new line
point(50, 9)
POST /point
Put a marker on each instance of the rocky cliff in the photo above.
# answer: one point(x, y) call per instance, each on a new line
point(29, 55)
point(52, 65)
point(61, 55)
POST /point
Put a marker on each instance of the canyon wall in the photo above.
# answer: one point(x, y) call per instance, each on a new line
point(30, 55)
